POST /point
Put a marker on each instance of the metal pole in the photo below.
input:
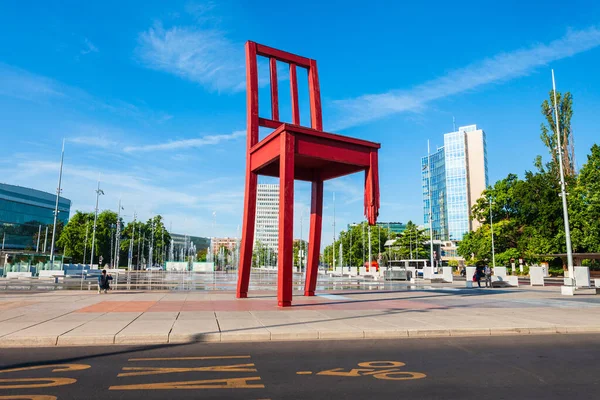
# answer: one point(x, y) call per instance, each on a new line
point(430, 208)
point(118, 237)
point(98, 193)
point(45, 239)
point(151, 248)
point(333, 244)
point(87, 229)
point(363, 243)
point(563, 192)
point(37, 246)
point(302, 247)
point(130, 258)
point(370, 256)
point(112, 240)
point(62, 156)
point(492, 230)
point(3, 239)
point(139, 243)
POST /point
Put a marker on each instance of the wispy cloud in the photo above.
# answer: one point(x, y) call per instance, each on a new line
point(20, 84)
point(499, 68)
point(187, 143)
point(205, 56)
point(89, 47)
point(94, 141)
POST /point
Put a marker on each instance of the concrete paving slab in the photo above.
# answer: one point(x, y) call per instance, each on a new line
point(242, 329)
point(45, 334)
point(145, 332)
point(195, 330)
point(101, 330)
point(192, 315)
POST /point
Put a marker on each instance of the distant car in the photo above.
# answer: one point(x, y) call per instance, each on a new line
point(154, 268)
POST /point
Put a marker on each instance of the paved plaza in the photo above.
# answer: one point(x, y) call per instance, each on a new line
point(402, 310)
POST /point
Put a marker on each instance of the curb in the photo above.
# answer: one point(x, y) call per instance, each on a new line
point(304, 335)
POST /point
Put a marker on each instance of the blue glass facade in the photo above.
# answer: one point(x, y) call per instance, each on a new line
point(456, 185)
point(437, 163)
point(23, 210)
point(457, 180)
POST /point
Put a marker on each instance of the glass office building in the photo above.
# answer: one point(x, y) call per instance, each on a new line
point(23, 211)
point(459, 175)
point(395, 227)
point(439, 218)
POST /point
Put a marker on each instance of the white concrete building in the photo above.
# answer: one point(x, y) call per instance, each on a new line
point(266, 228)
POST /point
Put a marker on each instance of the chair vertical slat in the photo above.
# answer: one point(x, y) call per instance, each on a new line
point(252, 123)
point(274, 91)
point(316, 116)
point(294, 92)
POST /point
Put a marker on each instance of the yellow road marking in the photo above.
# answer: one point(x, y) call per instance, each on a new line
point(340, 372)
point(28, 397)
point(304, 373)
point(232, 383)
point(140, 371)
point(57, 368)
point(403, 376)
point(50, 382)
point(188, 358)
point(377, 364)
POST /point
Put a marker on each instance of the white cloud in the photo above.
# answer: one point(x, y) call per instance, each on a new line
point(501, 67)
point(23, 85)
point(187, 143)
point(89, 47)
point(204, 56)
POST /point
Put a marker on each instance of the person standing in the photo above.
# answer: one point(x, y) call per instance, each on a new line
point(478, 275)
point(488, 276)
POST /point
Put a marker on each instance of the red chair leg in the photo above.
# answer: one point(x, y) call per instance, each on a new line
point(247, 242)
point(314, 238)
point(286, 221)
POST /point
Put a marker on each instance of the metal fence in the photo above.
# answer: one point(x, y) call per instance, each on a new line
point(181, 281)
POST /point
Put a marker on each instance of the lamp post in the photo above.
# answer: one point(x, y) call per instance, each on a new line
point(492, 231)
point(98, 193)
point(58, 190)
point(333, 244)
point(118, 237)
point(37, 246)
point(563, 194)
point(87, 229)
point(430, 207)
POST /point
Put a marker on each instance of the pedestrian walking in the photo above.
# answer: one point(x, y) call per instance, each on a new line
point(479, 273)
point(488, 276)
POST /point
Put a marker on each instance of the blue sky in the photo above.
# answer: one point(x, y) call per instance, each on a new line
point(150, 95)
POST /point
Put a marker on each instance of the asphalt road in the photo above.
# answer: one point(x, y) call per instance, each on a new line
point(531, 367)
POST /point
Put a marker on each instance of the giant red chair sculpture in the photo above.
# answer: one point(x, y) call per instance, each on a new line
point(292, 152)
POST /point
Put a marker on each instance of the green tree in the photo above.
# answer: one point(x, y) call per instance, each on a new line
point(355, 245)
point(584, 204)
point(300, 245)
point(548, 135)
point(72, 237)
point(412, 243)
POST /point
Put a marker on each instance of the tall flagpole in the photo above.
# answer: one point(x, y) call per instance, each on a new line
point(563, 191)
point(98, 193)
point(62, 156)
point(430, 208)
point(333, 244)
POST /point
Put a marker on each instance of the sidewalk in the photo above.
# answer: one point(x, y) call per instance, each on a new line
point(63, 318)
